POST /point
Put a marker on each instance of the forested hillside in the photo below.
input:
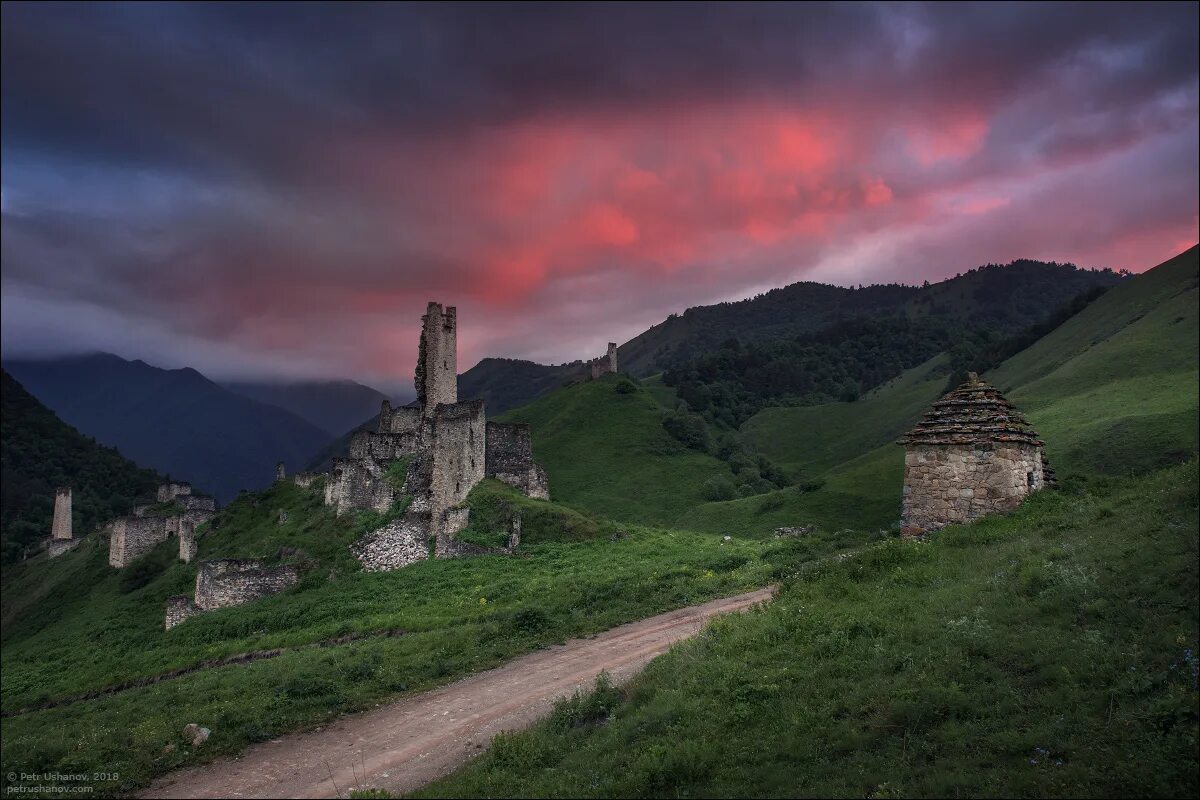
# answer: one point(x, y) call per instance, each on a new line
point(38, 453)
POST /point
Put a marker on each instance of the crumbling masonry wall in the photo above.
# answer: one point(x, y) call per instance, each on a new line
point(227, 582)
point(169, 491)
point(947, 484)
point(510, 459)
point(458, 457)
point(132, 537)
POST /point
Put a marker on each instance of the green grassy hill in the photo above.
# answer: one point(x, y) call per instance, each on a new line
point(1052, 652)
point(607, 453)
point(1111, 391)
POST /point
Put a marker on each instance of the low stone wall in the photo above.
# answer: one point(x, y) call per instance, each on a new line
point(226, 582)
point(195, 502)
point(179, 608)
point(306, 479)
point(56, 547)
point(132, 537)
point(948, 484)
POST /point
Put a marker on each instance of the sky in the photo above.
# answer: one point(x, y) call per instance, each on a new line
point(275, 191)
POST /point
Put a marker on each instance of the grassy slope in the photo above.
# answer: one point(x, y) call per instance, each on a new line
point(1115, 388)
point(608, 454)
point(1048, 653)
point(459, 616)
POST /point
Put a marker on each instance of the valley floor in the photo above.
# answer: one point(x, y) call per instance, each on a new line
point(405, 745)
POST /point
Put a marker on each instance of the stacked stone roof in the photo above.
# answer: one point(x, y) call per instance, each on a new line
point(973, 413)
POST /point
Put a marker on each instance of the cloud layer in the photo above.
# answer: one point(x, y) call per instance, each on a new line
point(267, 190)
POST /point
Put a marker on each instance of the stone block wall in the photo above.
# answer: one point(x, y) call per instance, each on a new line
point(510, 459)
point(226, 582)
point(188, 546)
point(947, 484)
point(179, 608)
point(56, 547)
point(169, 491)
point(60, 528)
point(132, 537)
point(405, 419)
point(305, 479)
point(458, 456)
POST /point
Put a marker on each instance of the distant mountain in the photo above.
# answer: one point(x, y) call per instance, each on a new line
point(175, 421)
point(333, 406)
point(506, 383)
point(1003, 299)
point(38, 453)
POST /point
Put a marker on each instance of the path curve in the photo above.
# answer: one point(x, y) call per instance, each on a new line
point(405, 745)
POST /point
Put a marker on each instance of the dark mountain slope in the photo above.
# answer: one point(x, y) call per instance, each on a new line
point(38, 453)
point(175, 421)
point(333, 406)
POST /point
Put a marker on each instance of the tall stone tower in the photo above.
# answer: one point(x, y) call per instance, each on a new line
point(61, 527)
point(611, 355)
point(971, 454)
point(437, 363)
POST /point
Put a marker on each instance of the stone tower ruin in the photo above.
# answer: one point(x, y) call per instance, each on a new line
point(448, 446)
point(60, 529)
point(437, 361)
point(606, 363)
point(971, 454)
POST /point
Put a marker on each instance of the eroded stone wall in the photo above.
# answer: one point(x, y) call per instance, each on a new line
point(305, 479)
point(179, 608)
point(458, 456)
point(395, 545)
point(947, 484)
point(188, 546)
point(56, 547)
point(132, 537)
point(169, 491)
point(60, 528)
point(510, 459)
point(226, 582)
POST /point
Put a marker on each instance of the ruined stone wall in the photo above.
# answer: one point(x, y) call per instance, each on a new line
point(305, 479)
point(188, 546)
point(179, 608)
point(141, 508)
point(458, 455)
point(280, 472)
point(56, 547)
point(132, 537)
point(169, 491)
point(947, 484)
point(402, 420)
point(605, 364)
point(437, 360)
point(383, 447)
point(510, 459)
point(60, 528)
point(226, 582)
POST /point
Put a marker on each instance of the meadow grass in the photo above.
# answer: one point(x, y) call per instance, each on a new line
point(1052, 652)
point(572, 576)
point(608, 454)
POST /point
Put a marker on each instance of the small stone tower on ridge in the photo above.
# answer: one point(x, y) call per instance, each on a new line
point(437, 362)
point(60, 529)
point(971, 454)
point(606, 364)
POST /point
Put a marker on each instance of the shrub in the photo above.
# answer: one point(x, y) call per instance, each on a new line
point(689, 430)
point(719, 489)
point(625, 386)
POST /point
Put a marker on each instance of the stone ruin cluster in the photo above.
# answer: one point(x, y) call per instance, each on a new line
point(971, 454)
point(448, 446)
point(605, 364)
point(139, 533)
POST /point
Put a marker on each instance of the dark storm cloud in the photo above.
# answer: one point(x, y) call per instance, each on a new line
point(278, 183)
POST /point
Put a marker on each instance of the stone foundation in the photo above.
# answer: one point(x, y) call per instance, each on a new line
point(56, 547)
point(948, 484)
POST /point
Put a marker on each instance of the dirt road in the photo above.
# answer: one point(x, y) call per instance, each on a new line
point(409, 743)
